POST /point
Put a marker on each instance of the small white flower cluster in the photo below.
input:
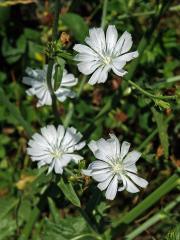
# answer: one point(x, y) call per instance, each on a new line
point(37, 80)
point(115, 167)
point(56, 147)
point(104, 52)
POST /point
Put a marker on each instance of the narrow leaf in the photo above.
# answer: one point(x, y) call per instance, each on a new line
point(54, 210)
point(162, 129)
point(149, 201)
point(69, 192)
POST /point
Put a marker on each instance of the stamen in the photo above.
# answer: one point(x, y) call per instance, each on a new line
point(107, 59)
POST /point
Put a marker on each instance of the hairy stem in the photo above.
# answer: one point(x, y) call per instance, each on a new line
point(51, 61)
point(143, 91)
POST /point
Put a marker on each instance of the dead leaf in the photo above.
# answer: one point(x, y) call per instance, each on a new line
point(65, 38)
point(160, 152)
point(121, 116)
point(21, 184)
point(175, 161)
point(97, 96)
point(15, 2)
point(116, 82)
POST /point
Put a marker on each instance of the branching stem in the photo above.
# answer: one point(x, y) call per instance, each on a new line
point(145, 92)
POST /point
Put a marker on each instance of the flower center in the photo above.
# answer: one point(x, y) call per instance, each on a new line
point(107, 60)
point(57, 153)
point(117, 168)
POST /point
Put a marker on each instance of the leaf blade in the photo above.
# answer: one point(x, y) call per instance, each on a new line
point(69, 192)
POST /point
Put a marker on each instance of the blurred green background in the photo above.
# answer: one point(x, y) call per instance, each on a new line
point(153, 127)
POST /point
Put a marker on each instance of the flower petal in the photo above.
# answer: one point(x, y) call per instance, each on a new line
point(75, 157)
point(96, 165)
point(131, 158)
point(112, 189)
point(101, 175)
point(131, 168)
point(60, 134)
point(50, 134)
point(116, 147)
point(124, 149)
point(138, 180)
point(81, 48)
point(68, 80)
point(103, 185)
point(119, 72)
point(124, 44)
point(96, 39)
point(128, 56)
point(130, 187)
point(58, 168)
point(87, 172)
point(96, 76)
point(88, 67)
point(111, 38)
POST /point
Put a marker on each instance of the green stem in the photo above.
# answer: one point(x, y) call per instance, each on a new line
point(71, 105)
point(51, 61)
point(69, 115)
point(83, 81)
point(154, 219)
point(150, 94)
point(104, 12)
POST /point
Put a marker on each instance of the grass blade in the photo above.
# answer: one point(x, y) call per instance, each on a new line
point(149, 201)
point(154, 219)
point(162, 129)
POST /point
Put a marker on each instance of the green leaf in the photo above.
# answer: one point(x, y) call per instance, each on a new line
point(13, 54)
point(76, 25)
point(59, 69)
point(2, 76)
point(69, 192)
point(6, 205)
point(7, 228)
point(162, 129)
point(73, 228)
point(54, 211)
point(14, 111)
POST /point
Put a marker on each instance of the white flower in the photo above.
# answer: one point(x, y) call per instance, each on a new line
point(37, 80)
point(114, 166)
point(55, 147)
point(104, 53)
